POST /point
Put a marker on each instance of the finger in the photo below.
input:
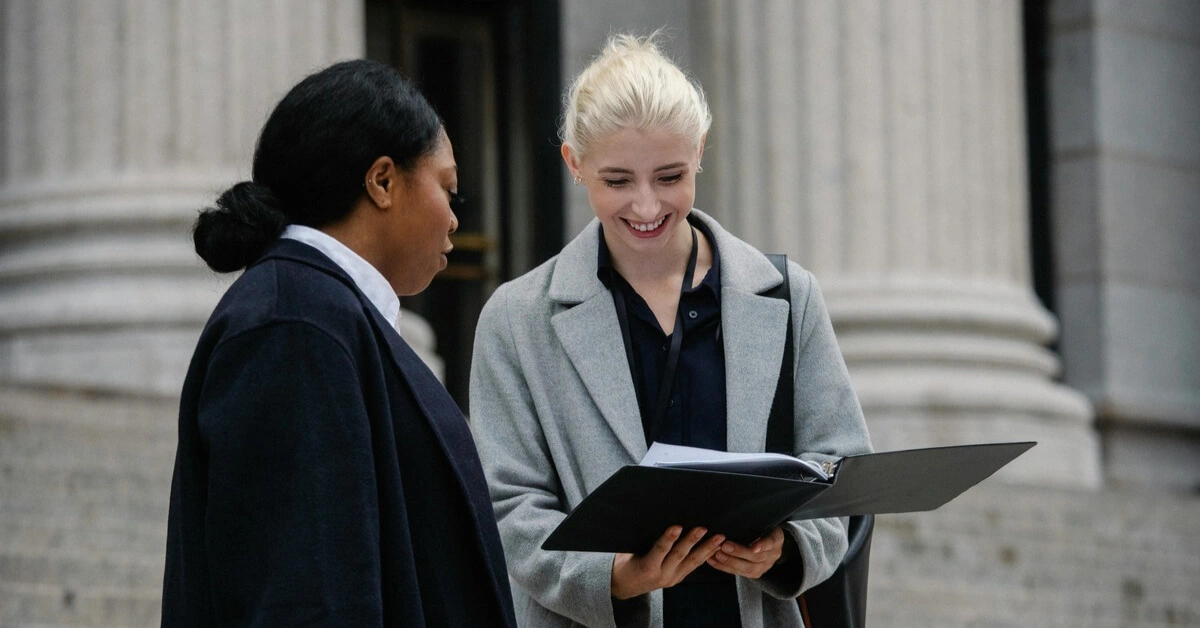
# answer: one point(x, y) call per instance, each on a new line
point(768, 543)
point(740, 551)
point(663, 545)
point(702, 552)
point(737, 566)
point(683, 547)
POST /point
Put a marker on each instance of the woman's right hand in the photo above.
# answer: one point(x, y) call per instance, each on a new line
point(671, 559)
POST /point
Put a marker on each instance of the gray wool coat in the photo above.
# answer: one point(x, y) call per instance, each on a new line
point(554, 414)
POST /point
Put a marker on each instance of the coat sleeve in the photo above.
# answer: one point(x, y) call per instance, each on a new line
point(828, 425)
point(291, 525)
point(524, 485)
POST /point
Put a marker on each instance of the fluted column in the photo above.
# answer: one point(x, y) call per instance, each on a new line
point(882, 145)
point(120, 119)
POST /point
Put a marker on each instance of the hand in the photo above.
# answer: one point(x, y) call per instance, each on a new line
point(673, 557)
point(753, 561)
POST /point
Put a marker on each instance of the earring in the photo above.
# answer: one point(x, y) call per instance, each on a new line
point(578, 180)
point(699, 169)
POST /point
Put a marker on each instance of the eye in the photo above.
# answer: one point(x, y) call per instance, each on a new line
point(456, 200)
point(672, 178)
point(615, 183)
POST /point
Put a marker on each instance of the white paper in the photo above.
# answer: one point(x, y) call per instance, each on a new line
point(775, 465)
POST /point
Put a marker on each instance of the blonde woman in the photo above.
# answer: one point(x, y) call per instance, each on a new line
point(651, 325)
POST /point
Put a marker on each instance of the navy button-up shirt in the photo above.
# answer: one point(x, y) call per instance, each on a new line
point(695, 415)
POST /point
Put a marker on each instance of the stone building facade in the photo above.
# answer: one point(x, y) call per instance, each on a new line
point(999, 198)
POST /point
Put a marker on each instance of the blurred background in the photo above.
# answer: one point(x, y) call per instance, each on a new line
point(1000, 199)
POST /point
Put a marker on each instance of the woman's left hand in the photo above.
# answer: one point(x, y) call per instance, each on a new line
point(752, 561)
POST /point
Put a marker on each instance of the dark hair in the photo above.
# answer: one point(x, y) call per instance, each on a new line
point(312, 155)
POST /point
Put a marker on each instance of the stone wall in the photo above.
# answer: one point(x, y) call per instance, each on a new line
point(1005, 556)
point(1126, 158)
point(84, 486)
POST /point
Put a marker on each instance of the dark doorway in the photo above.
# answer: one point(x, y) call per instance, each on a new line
point(1037, 60)
point(491, 69)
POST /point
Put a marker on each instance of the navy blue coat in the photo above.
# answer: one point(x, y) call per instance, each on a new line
point(323, 475)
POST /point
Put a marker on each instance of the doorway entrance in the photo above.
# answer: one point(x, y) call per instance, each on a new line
point(491, 69)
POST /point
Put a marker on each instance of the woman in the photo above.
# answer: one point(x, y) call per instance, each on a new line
point(652, 297)
point(323, 475)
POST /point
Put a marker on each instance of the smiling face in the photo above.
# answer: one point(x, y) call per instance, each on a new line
point(641, 185)
point(422, 221)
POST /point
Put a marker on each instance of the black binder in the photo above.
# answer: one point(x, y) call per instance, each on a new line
point(633, 507)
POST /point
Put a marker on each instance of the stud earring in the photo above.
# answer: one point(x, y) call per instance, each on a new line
point(699, 169)
point(578, 180)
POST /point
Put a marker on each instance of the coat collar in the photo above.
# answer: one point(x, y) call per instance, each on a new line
point(753, 328)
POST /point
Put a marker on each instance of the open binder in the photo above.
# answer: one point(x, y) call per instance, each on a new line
point(632, 508)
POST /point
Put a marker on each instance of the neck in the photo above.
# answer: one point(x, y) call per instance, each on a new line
point(355, 234)
point(666, 265)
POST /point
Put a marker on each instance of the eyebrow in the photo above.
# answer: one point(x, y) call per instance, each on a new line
point(615, 170)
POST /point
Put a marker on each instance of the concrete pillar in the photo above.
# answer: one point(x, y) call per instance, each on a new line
point(882, 145)
point(121, 118)
point(1126, 168)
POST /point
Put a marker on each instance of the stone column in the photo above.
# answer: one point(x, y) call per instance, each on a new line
point(120, 119)
point(1126, 169)
point(882, 145)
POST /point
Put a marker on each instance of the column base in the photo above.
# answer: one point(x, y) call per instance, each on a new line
point(949, 362)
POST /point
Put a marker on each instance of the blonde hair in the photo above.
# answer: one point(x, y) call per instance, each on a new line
point(632, 84)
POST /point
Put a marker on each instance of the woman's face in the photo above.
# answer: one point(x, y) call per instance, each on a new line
point(422, 225)
point(641, 184)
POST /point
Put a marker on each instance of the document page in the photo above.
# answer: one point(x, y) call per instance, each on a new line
point(765, 464)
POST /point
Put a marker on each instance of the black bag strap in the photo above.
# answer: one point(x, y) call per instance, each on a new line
point(780, 436)
point(842, 599)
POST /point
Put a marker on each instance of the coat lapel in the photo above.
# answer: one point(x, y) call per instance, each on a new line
point(753, 328)
point(591, 337)
point(589, 333)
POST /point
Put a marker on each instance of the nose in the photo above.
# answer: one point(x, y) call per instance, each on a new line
point(453, 223)
point(645, 204)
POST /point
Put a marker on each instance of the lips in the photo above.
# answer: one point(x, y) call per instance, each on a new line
point(646, 229)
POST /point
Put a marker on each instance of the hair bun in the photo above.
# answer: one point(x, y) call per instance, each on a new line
point(235, 233)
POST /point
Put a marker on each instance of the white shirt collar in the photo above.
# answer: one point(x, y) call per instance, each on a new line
point(368, 279)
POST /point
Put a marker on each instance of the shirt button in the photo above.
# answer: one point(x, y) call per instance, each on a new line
point(692, 314)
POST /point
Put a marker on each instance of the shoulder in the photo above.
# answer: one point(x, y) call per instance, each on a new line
point(279, 291)
point(523, 301)
point(745, 268)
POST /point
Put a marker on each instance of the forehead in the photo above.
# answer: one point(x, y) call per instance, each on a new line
point(440, 159)
point(634, 149)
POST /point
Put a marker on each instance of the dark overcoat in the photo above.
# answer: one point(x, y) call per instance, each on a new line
point(324, 477)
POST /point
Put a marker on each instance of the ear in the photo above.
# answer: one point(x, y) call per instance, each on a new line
point(700, 149)
point(380, 180)
point(571, 159)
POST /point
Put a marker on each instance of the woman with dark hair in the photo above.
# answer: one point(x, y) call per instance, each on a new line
point(323, 475)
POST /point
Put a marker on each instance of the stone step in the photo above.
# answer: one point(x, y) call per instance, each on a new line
point(136, 507)
point(142, 538)
point(66, 446)
point(77, 567)
point(45, 406)
point(54, 480)
point(31, 605)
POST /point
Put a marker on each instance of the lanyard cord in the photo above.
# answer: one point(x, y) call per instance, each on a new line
point(650, 424)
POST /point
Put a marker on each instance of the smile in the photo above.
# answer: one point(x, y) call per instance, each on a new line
point(646, 227)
